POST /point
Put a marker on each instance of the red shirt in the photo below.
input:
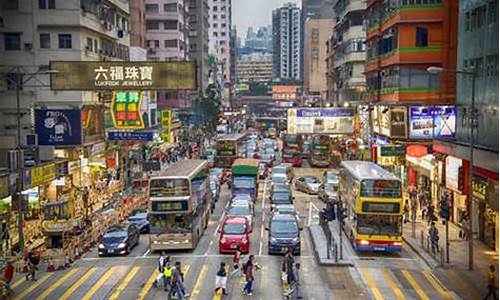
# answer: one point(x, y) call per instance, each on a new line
point(9, 272)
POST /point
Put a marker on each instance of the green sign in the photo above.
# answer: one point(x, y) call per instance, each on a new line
point(392, 150)
point(126, 110)
point(242, 87)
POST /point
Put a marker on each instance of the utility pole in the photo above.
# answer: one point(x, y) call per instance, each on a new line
point(19, 185)
point(471, 169)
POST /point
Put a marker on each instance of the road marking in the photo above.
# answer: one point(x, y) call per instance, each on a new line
point(124, 283)
point(183, 256)
point(264, 196)
point(147, 285)
point(146, 253)
point(197, 286)
point(415, 285)
point(438, 286)
point(77, 284)
point(263, 218)
point(208, 248)
point(19, 282)
point(393, 285)
point(99, 283)
point(371, 284)
point(56, 284)
point(33, 286)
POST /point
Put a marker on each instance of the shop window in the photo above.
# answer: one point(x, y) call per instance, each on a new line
point(421, 37)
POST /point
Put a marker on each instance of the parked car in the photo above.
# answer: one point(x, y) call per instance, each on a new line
point(241, 211)
point(284, 234)
point(140, 220)
point(118, 240)
point(308, 184)
point(328, 192)
point(235, 234)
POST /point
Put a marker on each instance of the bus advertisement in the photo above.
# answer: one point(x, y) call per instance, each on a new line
point(229, 147)
point(319, 155)
point(373, 204)
point(179, 205)
point(293, 146)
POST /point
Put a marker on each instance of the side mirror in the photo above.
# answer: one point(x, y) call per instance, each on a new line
point(266, 228)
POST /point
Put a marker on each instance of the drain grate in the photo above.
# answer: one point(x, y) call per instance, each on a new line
point(366, 258)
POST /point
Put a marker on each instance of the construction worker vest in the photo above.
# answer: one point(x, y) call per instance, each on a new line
point(168, 272)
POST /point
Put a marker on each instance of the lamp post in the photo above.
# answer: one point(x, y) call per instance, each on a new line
point(472, 125)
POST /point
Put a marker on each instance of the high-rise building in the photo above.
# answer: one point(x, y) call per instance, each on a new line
point(198, 40)
point(287, 42)
point(137, 23)
point(316, 9)
point(167, 40)
point(220, 36)
point(316, 34)
point(234, 53)
point(259, 40)
point(255, 67)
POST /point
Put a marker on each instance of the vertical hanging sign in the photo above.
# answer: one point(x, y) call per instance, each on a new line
point(126, 110)
point(166, 123)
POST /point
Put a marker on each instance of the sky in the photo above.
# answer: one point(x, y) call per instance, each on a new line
point(254, 13)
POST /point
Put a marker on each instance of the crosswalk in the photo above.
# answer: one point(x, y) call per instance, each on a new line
point(387, 283)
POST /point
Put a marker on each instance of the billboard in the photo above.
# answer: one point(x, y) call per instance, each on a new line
point(320, 120)
point(389, 121)
point(432, 121)
point(242, 87)
point(58, 127)
point(126, 110)
point(285, 92)
point(166, 124)
point(122, 75)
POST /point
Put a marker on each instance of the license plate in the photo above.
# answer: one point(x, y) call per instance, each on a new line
point(378, 248)
point(234, 246)
point(111, 251)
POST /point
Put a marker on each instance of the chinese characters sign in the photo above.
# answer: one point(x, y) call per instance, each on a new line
point(284, 92)
point(166, 123)
point(320, 120)
point(126, 110)
point(130, 136)
point(123, 75)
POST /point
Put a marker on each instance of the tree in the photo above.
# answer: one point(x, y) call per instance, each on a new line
point(207, 108)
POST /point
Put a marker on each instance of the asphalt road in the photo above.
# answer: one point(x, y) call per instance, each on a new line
point(374, 276)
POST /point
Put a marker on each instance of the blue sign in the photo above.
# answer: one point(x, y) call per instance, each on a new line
point(58, 127)
point(380, 140)
point(130, 136)
point(433, 121)
point(325, 112)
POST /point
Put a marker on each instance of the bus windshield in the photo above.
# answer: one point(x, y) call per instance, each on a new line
point(163, 187)
point(378, 224)
point(380, 188)
point(170, 223)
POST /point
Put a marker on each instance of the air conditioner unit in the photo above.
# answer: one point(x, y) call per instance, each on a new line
point(15, 159)
point(29, 140)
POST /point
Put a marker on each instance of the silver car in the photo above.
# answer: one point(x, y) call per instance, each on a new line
point(308, 184)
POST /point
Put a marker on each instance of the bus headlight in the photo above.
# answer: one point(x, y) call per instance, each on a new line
point(397, 243)
point(101, 246)
point(364, 242)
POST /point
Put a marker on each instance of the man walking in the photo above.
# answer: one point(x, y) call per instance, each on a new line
point(176, 283)
point(492, 283)
point(287, 267)
point(434, 237)
point(248, 270)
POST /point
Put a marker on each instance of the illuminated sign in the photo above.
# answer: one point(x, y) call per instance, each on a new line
point(167, 206)
point(320, 121)
point(126, 110)
point(242, 87)
point(284, 92)
point(166, 123)
point(432, 121)
point(453, 172)
point(115, 75)
point(378, 207)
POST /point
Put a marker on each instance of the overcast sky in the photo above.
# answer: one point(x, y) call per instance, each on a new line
point(254, 13)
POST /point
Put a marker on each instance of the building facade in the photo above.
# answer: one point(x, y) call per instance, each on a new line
point(316, 34)
point(220, 36)
point(198, 40)
point(234, 53)
point(254, 67)
point(287, 43)
point(138, 23)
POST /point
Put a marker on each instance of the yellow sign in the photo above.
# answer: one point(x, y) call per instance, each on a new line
point(59, 226)
point(166, 123)
point(43, 174)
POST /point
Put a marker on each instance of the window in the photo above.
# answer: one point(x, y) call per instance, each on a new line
point(170, 7)
point(215, 34)
point(65, 41)
point(467, 21)
point(170, 25)
point(157, 43)
point(223, 25)
point(44, 40)
point(170, 43)
point(223, 34)
point(216, 25)
point(152, 8)
point(421, 37)
point(152, 25)
point(492, 12)
point(10, 4)
point(215, 17)
point(222, 43)
point(492, 65)
point(44, 4)
point(481, 15)
point(215, 8)
point(12, 41)
point(222, 16)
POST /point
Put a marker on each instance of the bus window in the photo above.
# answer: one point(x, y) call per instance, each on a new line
point(380, 188)
point(169, 188)
point(378, 224)
point(164, 223)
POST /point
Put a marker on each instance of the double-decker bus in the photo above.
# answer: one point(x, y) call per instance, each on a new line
point(293, 146)
point(319, 155)
point(179, 205)
point(373, 201)
point(229, 147)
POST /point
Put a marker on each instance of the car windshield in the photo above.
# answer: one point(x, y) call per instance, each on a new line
point(234, 229)
point(285, 210)
point(279, 170)
point(312, 180)
point(279, 179)
point(331, 188)
point(243, 197)
point(244, 182)
point(283, 227)
point(239, 211)
point(115, 234)
point(281, 195)
point(332, 177)
point(378, 224)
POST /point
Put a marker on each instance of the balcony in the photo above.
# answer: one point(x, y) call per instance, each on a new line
point(405, 55)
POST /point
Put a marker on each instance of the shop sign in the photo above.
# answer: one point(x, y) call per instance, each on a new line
point(453, 173)
point(380, 140)
point(59, 226)
point(62, 168)
point(284, 92)
point(96, 149)
point(4, 186)
point(242, 87)
point(166, 123)
point(386, 160)
point(385, 120)
point(432, 121)
point(375, 120)
point(126, 110)
point(424, 162)
point(130, 136)
point(124, 75)
point(73, 166)
point(398, 122)
point(320, 120)
point(43, 174)
point(392, 150)
point(58, 127)
point(479, 187)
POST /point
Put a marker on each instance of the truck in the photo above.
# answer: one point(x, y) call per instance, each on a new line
point(293, 146)
point(245, 172)
point(320, 151)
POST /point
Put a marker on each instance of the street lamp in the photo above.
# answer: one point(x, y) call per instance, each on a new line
point(439, 70)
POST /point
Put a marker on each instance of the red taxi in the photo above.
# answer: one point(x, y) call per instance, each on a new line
point(234, 234)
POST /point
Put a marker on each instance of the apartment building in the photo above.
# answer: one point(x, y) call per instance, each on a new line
point(220, 36)
point(199, 39)
point(255, 67)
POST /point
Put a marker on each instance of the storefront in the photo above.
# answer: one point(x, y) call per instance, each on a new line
point(485, 193)
point(422, 174)
point(454, 188)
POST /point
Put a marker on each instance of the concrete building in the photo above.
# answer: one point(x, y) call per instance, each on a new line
point(220, 36)
point(198, 39)
point(287, 43)
point(349, 50)
point(316, 34)
point(254, 67)
point(137, 23)
point(259, 40)
point(234, 53)
point(316, 9)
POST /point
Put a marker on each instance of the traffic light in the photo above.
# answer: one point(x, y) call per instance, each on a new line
point(341, 212)
point(444, 209)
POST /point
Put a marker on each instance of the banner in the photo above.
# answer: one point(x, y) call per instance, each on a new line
point(130, 136)
point(285, 92)
point(166, 123)
point(126, 110)
point(58, 127)
point(320, 120)
point(432, 121)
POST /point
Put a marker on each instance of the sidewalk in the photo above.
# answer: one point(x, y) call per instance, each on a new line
point(320, 247)
point(455, 275)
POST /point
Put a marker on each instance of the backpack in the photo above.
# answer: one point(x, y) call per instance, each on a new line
point(245, 267)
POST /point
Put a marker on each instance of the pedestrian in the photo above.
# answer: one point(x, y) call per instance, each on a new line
point(167, 276)
point(176, 286)
point(236, 261)
point(492, 283)
point(162, 262)
point(248, 270)
point(430, 214)
point(287, 267)
point(221, 279)
point(407, 212)
point(434, 237)
point(9, 272)
point(295, 285)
